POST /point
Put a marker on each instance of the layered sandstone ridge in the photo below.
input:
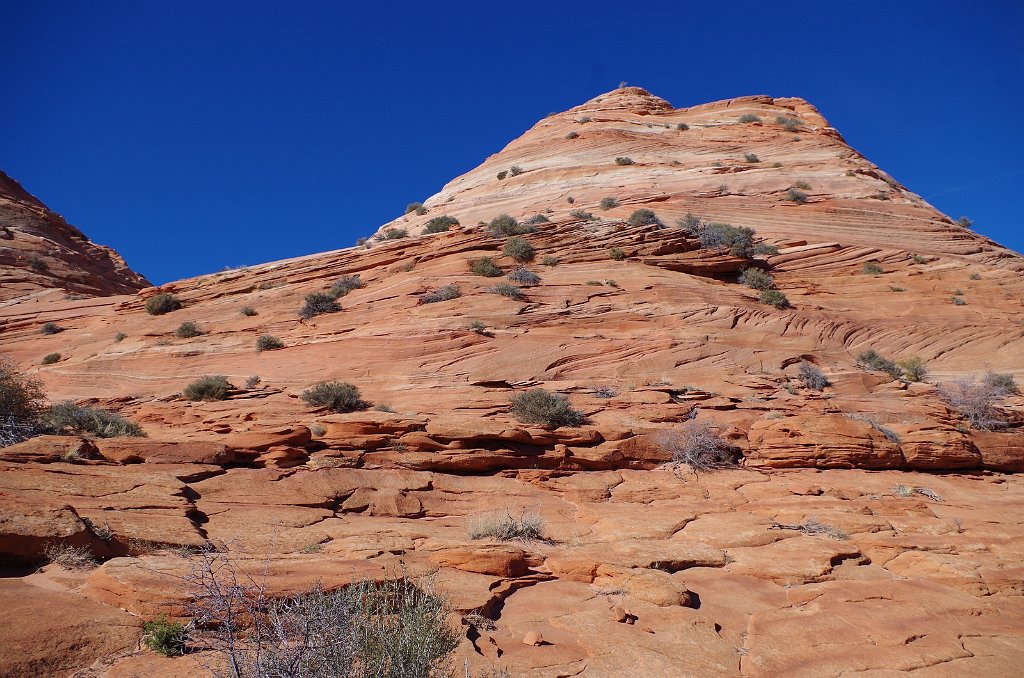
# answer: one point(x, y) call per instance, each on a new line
point(867, 529)
point(40, 251)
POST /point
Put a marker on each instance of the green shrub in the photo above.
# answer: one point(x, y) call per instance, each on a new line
point(162, 303)
point(476, 326)
point(163, 636)
point(537, 220)
point(524, 276)
point(485, 266)
point(918, 259)
point(119, 337)
point(445, 293)
point(508, 290)
point(51, 358)
point(582, 214)
point(690, 223)
point(519, 249)
point(914, 368)
point(617, 254)
point(624, 160)
point(502, 525)
point(538, 406)
point(643, 217)
point(751, 157)
point(393, 234)
point(790, 124)
point(958, 301)
point(872, 268)
point(802, 185)
point(608, 203)
point(764, 248)
point(682, 127)
point(749, 117)
point(248, 311)
point(344, 285)
point(874, 361)
point(549, 260)
point(336, 396)
point(51, 328)
point(773, 298)
point(739, 240)
point(440, 224)
point(318, 303)
point(253, 381)
point(67, 418)
point(1003, 383)
point(187, 330)
point(268, 342)
point(208, 387)
point(412, 207)
point(796, 195)
point(38, 265)
point(572, 135)
point(21, 400)
point(505, 225)
point(757, 279)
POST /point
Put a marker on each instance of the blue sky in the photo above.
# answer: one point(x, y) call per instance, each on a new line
point(191, 136)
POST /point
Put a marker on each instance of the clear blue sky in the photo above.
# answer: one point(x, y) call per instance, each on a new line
point(195, 135)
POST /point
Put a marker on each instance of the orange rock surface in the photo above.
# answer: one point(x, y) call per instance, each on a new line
point(646, 570)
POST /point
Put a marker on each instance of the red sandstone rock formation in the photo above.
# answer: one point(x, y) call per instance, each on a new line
point(849, 539)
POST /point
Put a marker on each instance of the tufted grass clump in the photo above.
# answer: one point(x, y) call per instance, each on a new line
point(812, 377)
point(541, 407)
point(50, 358)
point(643, 217)
point(162, 303)
point(187, 330)
point(537, 220)
point(67, 418)
point(70, 557)
point(616, 253)
point(485, 266)
point(914, 368)
point(164, 636)
point(874, 361)
point(504, 226)
point(872, 268)
point(795, 195)
point(608, 203)
point(416, 207)
point(504, 526)
point(757, 279)
point(337, 396)
point(508, 290)
point(791, 124)
point(749, 117)
point(624, 160)
point(318, 303)
point(519, 249)
point(208, 388)
point(268, 342)
point(524, 276)
point(440, 224)
point(773, 298)
point(582, 214)
point(444, 293)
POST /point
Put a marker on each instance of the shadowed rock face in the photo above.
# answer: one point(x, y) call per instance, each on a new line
point(844, 542)
point(40, 251)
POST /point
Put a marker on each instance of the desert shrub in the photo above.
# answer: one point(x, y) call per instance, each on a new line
point(524, 276)
point(872, 268)
point(975, 276)
point(248, 311)
point(187, 330)
point(957, 301)
point(538, 406)
point(337, 396)
point(318, 303)
point(476, 326)
point(802, 185)
point(50, 358)
point(384, 408)
point(1004, 383)
point(739, 240)
point(874, 361)
point(253, 381)
point(603, 392)
point(51, 328)
point(519, 249)
point(504, 526)
point(749, 117)
point(360, 242)
point(507, 290)
point(162, 303)
point(393, 234)
point(796, 195)
point(751, 157)
point(918, 259)
point(698, 445)
point(485, 266)
point(70, 557)
point(790, 124)
point(617, 254)
point(414, 207)
point(549, 260)
point(964, 222)
point(624, 160)
point(570, 199)
point(611, 283)
point(584, 119)
point(67, 418)
point(502, 174)
point(537, 220)
point(608, 203)
point(119, 337)
point(582, 214)
point(958, 293)
point(38, 264)
point(208, 387)
point(812, 377)
point(572, 135)
point(515, 170)
point(897, 288)
point(440, 224)
point(344, 285)
point(21, 400)
point(682, 127)
point(690, 223)
point(757, 279)
point(643, 217)
point(976, 400)
point(914, 368)
point(268, 342)
point(773, 298)
point(764, 248)
point(505, 225)
point(164, 636)
point(444, 293)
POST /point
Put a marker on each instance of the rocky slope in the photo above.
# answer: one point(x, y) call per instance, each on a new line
point(40, 251)
point(646, 570)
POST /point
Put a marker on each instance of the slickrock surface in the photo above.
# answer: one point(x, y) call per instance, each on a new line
point(909, 555)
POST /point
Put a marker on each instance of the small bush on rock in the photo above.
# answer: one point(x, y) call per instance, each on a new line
point(164, 636)
point(617, 254)
point(445, 293)
point(187, 330)
point(519, 249)
point(757, 279)
point(502, 525)
point(538, 406)
point(51, 358)
point(162, 303)
point(697, 444)
point(874, 361)
point(344, 285)
point(739, 240)
point(914, 369)
point(643, 217)
point(624, 160)
point(524, 276)
point(21, 400)
point(67, 418)
point(51, 328)
point(505, 226)
point(608, 203)
point(70, 557)
point(812, 377)
point(268, 342)
point(485, 266)
point(440, 224)
point(318, 303)
point(336, 396)
point(976, 400)
point(209, 387)
point(773, 298)
point(508, 290)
